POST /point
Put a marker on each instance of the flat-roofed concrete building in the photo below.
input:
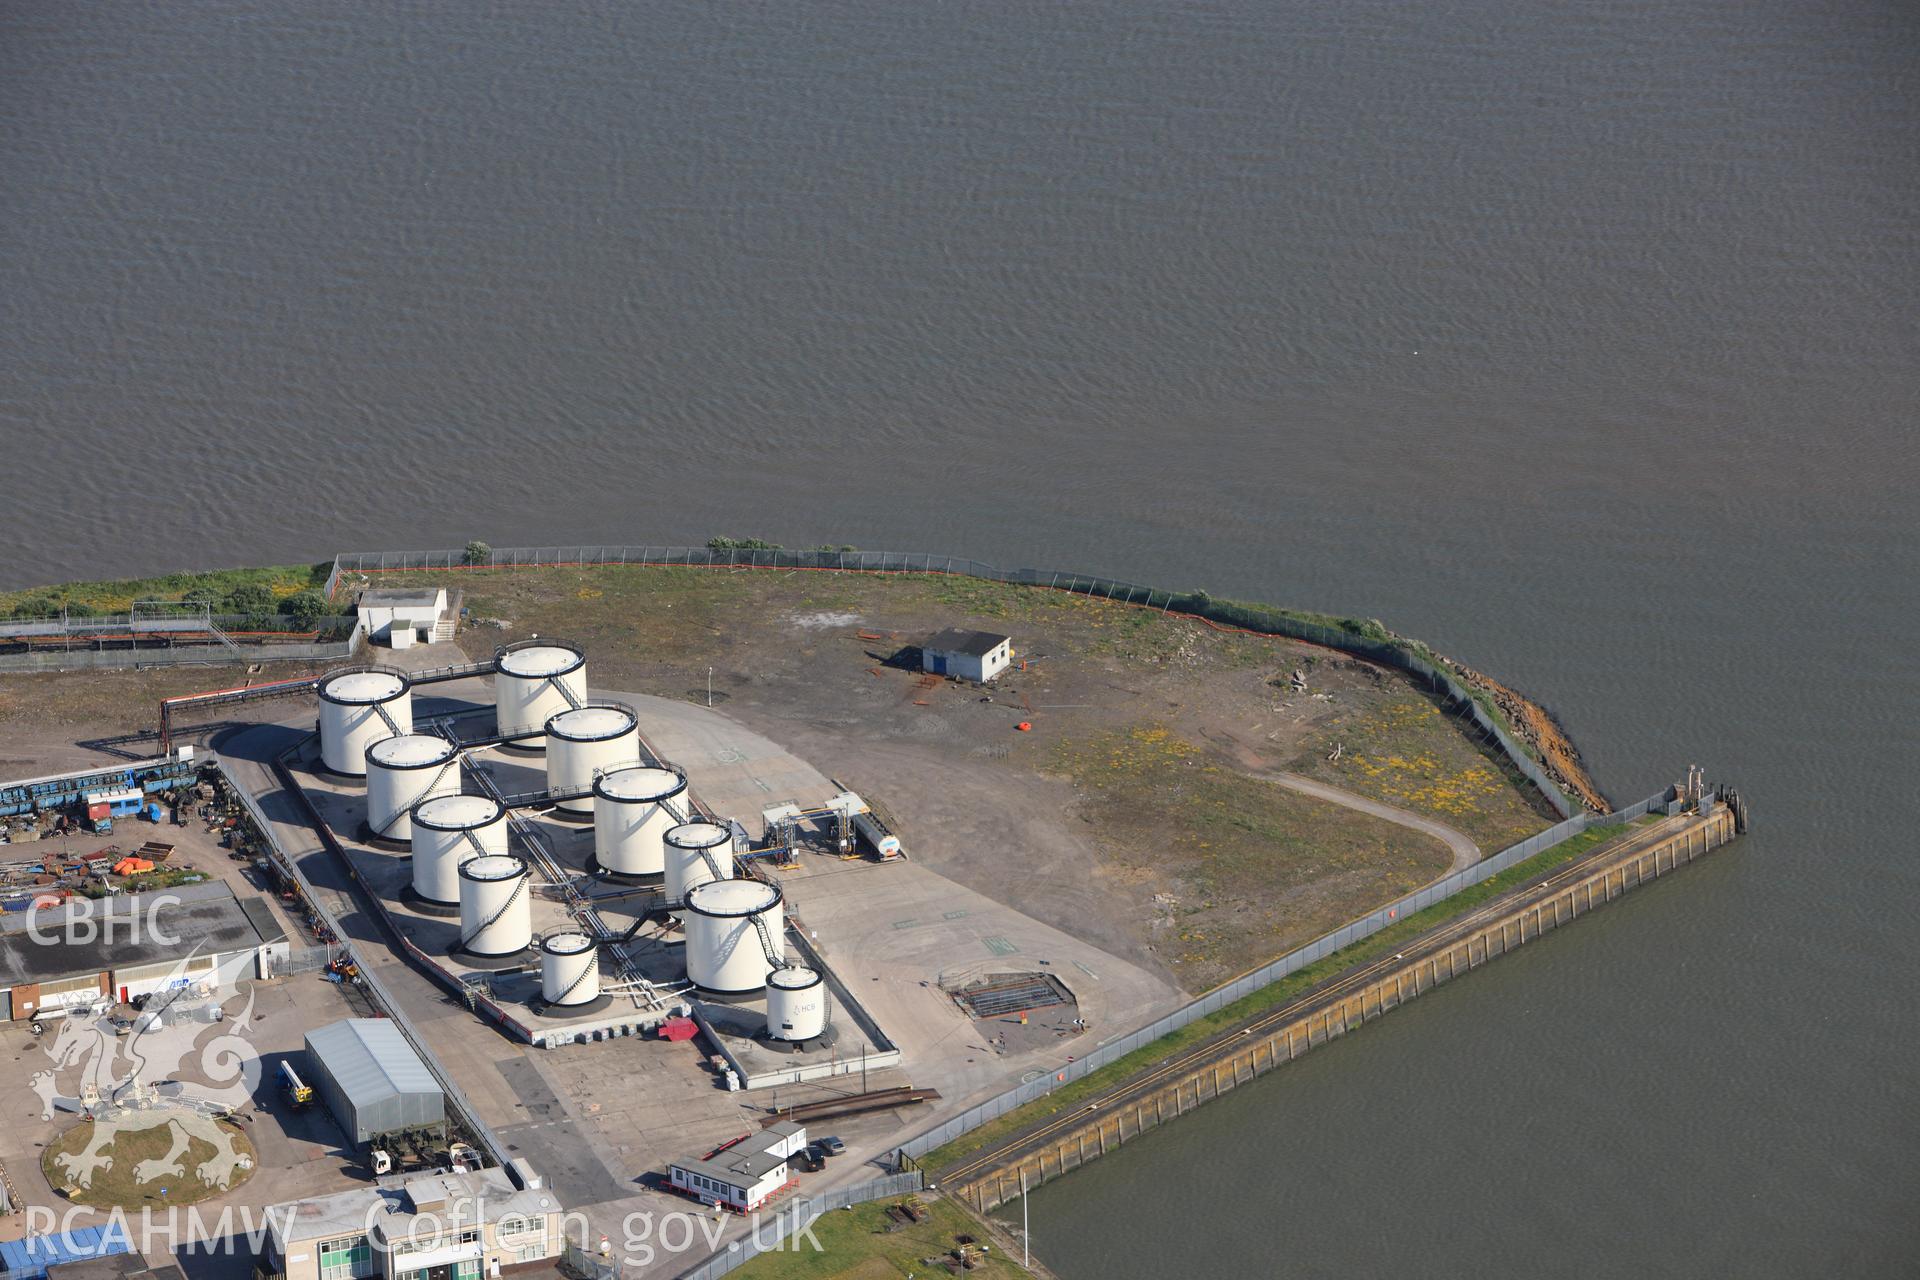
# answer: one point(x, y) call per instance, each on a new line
point(88, 951)
point(403, 616)
point(442, 1226)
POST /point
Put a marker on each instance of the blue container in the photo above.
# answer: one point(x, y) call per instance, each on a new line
point(155, 813)
point(29, 1259)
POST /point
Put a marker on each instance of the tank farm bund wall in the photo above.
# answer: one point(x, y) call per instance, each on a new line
point(1369, 641)
point(1450, 951)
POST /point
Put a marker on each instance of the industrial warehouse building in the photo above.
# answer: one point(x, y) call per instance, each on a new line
point(744, 1175)
point(462, 1226)
point(403, 616)
point(372, 1080)
point(966, 655)
point(89, 950)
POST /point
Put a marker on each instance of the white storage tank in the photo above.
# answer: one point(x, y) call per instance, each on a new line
point(569, 970)
point(527, 680)
point(796, 1003)
point(496, 906)
point(726, 953)
point(441, 827)
point(632, 809)
point(689, 849)
point(401, 772)
point(586, 742)
point(358, 707)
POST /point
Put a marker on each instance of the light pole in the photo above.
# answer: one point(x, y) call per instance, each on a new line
point(709, 686)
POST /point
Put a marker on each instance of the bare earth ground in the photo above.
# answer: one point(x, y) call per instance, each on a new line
point(1148, 829)
point(1154, 826)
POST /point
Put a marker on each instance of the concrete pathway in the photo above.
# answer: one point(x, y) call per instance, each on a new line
point(1465, 851)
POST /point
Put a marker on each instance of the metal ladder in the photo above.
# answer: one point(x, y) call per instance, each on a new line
point(775, 956)
point(592, 969)
point(453, 762)
point(506, 906)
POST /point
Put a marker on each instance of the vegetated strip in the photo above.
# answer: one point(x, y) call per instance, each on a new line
point(1229, 1017)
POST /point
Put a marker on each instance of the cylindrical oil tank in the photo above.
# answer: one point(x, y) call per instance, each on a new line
point(440, 844)
point(496, 905)
point(569, 969)
point(726, 953)
point(632, 809)
point(401, 772)
point(526, 682)
point(796, 1003)
point(584, 743)
point(688, 849)
point(358, 707)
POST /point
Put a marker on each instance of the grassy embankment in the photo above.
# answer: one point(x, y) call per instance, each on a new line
point(116, 596)
point(855, 1245)
point(1261, 868)
point(1272, 996)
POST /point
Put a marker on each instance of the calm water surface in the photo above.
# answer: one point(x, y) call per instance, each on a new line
point(1578, 340)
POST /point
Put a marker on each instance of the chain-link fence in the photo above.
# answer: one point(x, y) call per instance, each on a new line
point(1360, 637)
point(772, 1232)
point(304, 960)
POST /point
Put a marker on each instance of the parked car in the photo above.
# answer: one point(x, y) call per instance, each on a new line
point(830, 1146)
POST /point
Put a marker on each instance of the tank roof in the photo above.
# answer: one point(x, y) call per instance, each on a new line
point(537, 660)
point(570, 943)
point(591, 724)
point(410, 751)
point(794, 977)
point(732, 897)
point(492, 866)
point(640, 783)
point(698, 835)
point(362, 687)
point(457, 813)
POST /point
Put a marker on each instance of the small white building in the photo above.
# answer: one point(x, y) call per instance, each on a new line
point(403, 616)
point(967, 655)
point(745, 1174)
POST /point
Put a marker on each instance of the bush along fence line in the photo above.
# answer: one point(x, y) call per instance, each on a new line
point(1362, 639)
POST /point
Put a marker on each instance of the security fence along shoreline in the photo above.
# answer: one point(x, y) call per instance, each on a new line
point(1362, 639)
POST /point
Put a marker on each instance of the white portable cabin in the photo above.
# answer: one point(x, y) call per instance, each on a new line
point(743, 1175)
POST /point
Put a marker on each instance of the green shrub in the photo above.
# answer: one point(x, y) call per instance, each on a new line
point(251, 599)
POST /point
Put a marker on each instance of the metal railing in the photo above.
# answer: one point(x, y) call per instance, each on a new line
point(1355, 636)
point(1248, 983)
